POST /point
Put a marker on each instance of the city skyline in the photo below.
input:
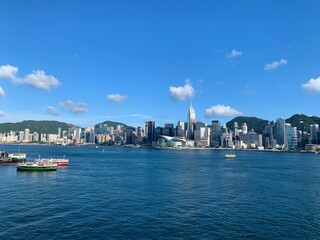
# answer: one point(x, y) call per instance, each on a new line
point(132, 62)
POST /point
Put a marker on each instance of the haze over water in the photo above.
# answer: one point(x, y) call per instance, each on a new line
point(122, 193)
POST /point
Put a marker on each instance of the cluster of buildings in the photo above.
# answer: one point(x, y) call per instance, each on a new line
point(276, 135)
point(189, 134)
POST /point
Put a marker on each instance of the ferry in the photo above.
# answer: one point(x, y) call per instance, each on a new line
point(18, 157)
point(4, 157)
point(36, 166)
point(60, 162)
point(230, 156)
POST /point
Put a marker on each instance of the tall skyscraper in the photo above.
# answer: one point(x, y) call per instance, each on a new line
point(215, 133)
point(314, 129)
point(280, 131)
point(191, 121)
point(181, 129)
point(151, 132)
point(26, 134)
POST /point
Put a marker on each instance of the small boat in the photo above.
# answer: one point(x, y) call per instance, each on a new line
point(36, 166)
point(230, 156)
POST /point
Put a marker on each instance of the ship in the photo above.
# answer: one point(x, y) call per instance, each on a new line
point(60, 162)
point(36, 166)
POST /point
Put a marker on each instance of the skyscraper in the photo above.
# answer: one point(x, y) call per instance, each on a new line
point(191, 121)
point(280, 131)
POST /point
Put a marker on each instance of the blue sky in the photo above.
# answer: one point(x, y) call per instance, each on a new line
point(84, 62)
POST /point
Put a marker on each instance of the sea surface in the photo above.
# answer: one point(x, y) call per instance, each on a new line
point(123, 193)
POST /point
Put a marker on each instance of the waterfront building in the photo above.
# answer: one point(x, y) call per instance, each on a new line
point(168, 129)
point(59, 132)
point(36, 137)
point(269, 136)
point(157, 132)
point(181, 129)
point(280, 131)
point(291, 137)
point(26, 134)
point(253, 140)
point(175, 142)
point(215, 134)
point(191, 121)
point(21, 136)
point(150, 127)
point(314, 130)
point(202, 135)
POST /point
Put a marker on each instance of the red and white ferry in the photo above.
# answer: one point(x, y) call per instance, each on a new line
point(60, 162)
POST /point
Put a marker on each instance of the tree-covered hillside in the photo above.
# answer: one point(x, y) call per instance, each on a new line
point(257, 124)
point(49, 127)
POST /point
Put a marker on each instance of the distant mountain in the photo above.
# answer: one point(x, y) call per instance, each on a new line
point(257, 124)
point(115, 124)
point(303, 122)
point(49, 127)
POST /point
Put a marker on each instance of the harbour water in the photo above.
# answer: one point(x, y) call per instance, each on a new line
point(123, 193)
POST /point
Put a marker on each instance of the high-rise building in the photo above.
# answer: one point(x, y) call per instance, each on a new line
point(215, 134)
point(26, 134)
point(169, 129)
point(150, 132)
point(269, 136)
point(291, 137)
point(244, 128)
point(59, 132)
point(314, 129)
point(280, 131)
point(181, 129)
point(191, 121)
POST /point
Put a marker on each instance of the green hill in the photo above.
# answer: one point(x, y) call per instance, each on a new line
point(114, 124)
point(49, 127)
point(257, 124)
point(303, 122)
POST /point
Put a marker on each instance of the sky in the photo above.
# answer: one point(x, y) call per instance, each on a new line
point(85, 62)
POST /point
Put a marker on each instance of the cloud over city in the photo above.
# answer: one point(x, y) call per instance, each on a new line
point(116, 97)
point(312, 85)
point(275, 64)
point(37, 79)
point(234, 53)
point(182, 93)
point(221, 111)
point(73, 107)
point(51, 111)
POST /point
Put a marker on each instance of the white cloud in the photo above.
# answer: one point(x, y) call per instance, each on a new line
point(8, 71)
point(2, 114)
point(234, 53)
point(182, 93)
point(73, 107)
point(312, 85)
point(37, 79)
point(275, 64)
point(51, 111)
point(221, 111)
point(2, 93)
point(116, 97)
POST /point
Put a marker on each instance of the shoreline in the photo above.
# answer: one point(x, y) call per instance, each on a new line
point(160, 148)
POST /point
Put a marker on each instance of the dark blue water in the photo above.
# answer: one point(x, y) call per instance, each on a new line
point(120, 193)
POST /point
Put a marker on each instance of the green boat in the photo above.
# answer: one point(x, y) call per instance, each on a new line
point(36, 166)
